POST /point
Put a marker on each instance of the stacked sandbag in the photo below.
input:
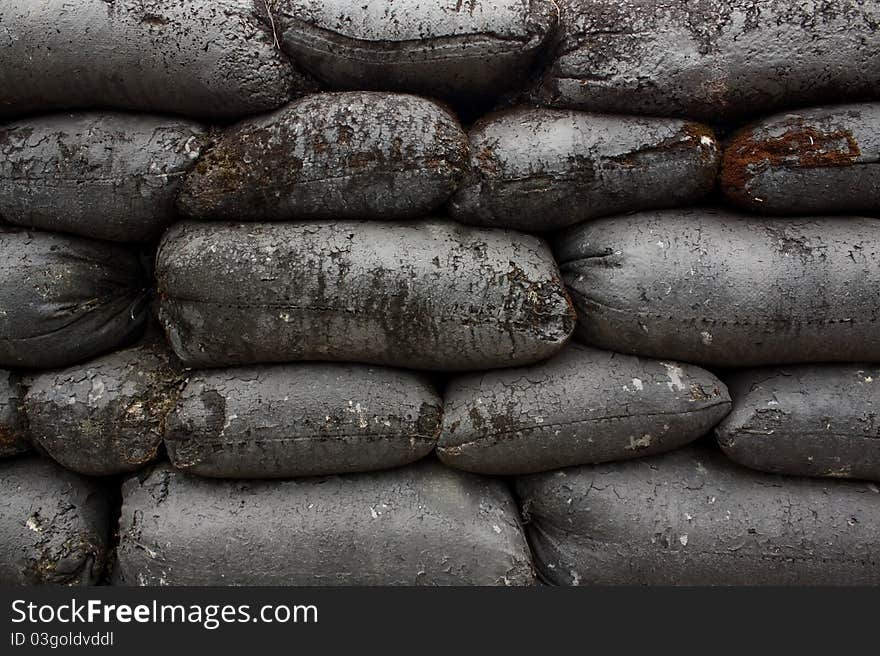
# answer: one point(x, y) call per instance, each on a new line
point(583, 406)
point(14, 436)
point(203, 58)
point(103, 175)
point(713, 60)
point(302, 420)
point(691, 517)
point(105, 416)
point(419, 525)
point(54, 524)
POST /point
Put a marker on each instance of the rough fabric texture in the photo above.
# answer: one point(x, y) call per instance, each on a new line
point(583, 406)
point(54, 524)
point(106, 416)
point(691, 517)
point(65, 299)
point(103, 175)
point(14, 437)
point(807, 161)
point(419, 525)
point(807, 420)
point(431, 295)
point(359, 155)
point(713, 59)
point(543, 169)
point(715, 287)
point(302, 420)
point(210, 58)
point(454, 49)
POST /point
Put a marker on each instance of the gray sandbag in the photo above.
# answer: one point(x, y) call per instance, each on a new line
point(425, 295)
point(455, 50)
point(543, 169)
point(102, 175)
point(691, 517)
point(54, 524)
point(583, 406)
point(211, 58)
point(14, 437)
point(65, 299)
point(807, 161)
point(107, 415)
point(420, 525)
point(719, 288)
point(301, 420)
point(715, 59)
point(806, 420)
point(359, 155)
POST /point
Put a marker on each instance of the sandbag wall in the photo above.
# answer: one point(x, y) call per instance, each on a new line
point(474, 293)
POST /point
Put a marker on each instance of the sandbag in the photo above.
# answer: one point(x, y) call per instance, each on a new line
point(455, 50)
point(301, 420)
point(418, 525)
point(691, 517)
point(103, 175)
point(65, 299)
point(543, 169)
point(14, 438)
point(54, 524)
point(331, 156)
point(712, 60)
point(107, 415)
point(583, 406)
point(426, 295)
point(807, 161)
point(720, 288)
point(806, 420)
point(200, 58)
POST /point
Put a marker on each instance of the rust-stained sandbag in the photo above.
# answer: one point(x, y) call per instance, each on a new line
point(301, 420)
point(806, 420)
point(14, 438)
point(207, 58)
point(65, 299)
point(691, 517)
point(583, 406)
point(451, 49)
point(807, 161)
point(359, 155)
point(721, 288)
point(103, 175)
point(543, 169)
point(420, 525)
point(54, 524)
point(107, 415)
point(715, 59)
point(425, 295)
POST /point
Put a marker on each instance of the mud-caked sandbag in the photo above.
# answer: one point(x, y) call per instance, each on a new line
point(14, 437)
point(806, 420)
point(206, 58)
point(454, 50)
point(301, 420)
point(715, 59)
point(716, 287)
point(359, 155)
point(425, 295)
point(583, 406)
point(65, 299)
point(543, 169)
point(107, 415)
point(103, 175)
point(811, 161)
point(692, 517)
point(420, 525)
point(54, 524)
